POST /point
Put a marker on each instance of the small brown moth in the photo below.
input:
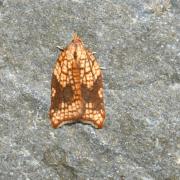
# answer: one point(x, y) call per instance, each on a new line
point(77, 87)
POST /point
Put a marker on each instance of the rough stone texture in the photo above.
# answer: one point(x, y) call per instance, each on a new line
point(138, 41)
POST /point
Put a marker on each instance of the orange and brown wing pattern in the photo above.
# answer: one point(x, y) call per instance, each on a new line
point(92, 91)
point(66, 102)
point(76, 87)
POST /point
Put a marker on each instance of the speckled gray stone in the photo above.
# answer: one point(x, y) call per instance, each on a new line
point(138, 44)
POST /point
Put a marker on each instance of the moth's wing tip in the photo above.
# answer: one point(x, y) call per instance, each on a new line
point(55, 124)
point(100, 125)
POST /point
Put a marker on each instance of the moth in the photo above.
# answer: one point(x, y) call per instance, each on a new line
point(77, 87)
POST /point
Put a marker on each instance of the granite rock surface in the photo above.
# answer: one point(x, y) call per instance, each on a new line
point(138, 42)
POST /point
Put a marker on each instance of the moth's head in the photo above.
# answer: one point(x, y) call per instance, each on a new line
point(76, 39)
point(76, 46)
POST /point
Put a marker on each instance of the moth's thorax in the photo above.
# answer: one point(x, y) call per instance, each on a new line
point(76, 49)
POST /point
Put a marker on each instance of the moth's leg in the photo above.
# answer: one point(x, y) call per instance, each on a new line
point(60, 48)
